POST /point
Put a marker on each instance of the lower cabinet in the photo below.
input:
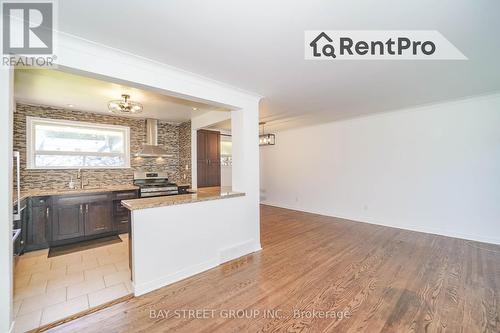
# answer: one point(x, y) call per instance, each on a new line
point(68, 221)
point(98, 218)
point(65, 219)
point(38, 224)
point(121, 217)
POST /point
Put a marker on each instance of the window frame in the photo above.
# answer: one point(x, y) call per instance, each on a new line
point(31, 123)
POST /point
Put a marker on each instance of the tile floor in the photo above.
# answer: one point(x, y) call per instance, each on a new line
point(49, 289)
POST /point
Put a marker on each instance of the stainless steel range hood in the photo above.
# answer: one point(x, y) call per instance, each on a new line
point(151, 148)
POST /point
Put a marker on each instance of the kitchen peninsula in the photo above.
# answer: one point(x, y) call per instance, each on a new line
point(175, 237)
point(203, 195)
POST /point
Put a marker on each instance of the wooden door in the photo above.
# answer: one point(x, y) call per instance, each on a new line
point(213, 157)
point(208, 158)
point(68, 221)
point(201, 156)
point(98, 217)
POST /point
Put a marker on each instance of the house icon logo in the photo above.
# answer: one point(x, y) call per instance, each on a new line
point(322, 45)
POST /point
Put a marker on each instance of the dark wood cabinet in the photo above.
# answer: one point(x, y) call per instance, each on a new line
point(64, 219)
point(98, 218)
point(201, 158)
point(67, 221)
point(121, 217)
point(208, 158)
point(20, 242)
point(37, 224)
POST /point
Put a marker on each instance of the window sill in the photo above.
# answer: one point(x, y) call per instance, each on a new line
point(77, 168)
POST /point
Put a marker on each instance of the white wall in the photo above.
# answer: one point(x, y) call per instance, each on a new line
point(226, 174)
point(433, 169)
point(187, 240)
point(6, 109)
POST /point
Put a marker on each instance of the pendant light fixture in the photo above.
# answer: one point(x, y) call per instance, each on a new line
point(125, 105)
point(266, 139)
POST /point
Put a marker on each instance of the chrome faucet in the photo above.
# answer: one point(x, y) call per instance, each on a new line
point(79, 175)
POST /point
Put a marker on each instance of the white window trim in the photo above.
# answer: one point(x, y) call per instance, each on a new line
point(30, 143)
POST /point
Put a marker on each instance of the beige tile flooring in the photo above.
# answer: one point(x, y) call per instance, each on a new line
point(49, 289)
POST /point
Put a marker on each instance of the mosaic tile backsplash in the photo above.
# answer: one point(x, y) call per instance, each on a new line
point(176, 139)
point(185, 153)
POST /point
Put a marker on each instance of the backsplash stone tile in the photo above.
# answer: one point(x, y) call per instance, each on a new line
point(185, 153)
point(176, 139)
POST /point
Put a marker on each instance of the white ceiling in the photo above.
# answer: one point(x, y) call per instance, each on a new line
point(258, 46)
point(55, 88)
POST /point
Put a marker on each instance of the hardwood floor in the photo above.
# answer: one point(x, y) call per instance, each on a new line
point(382, 279)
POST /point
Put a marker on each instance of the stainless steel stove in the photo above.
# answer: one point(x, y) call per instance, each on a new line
point(154, 184)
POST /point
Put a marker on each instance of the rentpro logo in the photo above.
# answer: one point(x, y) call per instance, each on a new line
point(372, 45)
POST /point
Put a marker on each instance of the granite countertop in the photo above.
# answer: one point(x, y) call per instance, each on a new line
point(143, 203)
point(67, 191)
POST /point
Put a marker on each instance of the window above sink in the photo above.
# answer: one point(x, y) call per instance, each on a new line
point(64, 144)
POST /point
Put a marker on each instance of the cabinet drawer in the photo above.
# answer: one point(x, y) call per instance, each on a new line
point(80, 199)
point(123, 220)
point(125, 195)
point(39, 201)
point(122, 226)
point(99, 197)
point(119, 210)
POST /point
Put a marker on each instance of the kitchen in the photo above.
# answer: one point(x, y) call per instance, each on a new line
point(78, 155)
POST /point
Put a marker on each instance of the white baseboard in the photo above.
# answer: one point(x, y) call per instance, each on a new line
point(171, 278)
point(238, 250)
point(225, 255)
point(434, 231)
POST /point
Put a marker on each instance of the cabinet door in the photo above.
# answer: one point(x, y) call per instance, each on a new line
point(208, 157)
point(213, 156)
point(37, 227)
point(98, 218)
point(202, 160)
point(201, 144)
point(213, 145)
point(67, 221)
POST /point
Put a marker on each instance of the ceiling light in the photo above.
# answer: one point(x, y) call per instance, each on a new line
point(125, 105)
point(268, 139)
point(70, 105)
point(195, 109)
